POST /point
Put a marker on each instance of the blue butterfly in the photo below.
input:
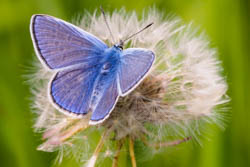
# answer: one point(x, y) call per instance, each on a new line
point(89, 75)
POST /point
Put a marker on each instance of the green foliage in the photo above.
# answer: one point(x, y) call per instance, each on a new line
point(225, 21)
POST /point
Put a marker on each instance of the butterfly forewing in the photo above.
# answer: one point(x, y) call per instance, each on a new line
point(60, 44)
point(135, 63)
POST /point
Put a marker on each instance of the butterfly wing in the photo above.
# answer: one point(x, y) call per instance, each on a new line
point(135, 64)
point(59, 44)
point(71, 89)
point(106, 103)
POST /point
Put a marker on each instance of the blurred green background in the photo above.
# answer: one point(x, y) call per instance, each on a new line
point(226, 22)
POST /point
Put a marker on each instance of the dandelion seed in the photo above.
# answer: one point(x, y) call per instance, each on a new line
point(183, 90)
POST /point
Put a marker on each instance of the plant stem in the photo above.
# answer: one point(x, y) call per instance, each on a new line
point(117, 153)
point(99, 146)
point(132, 152)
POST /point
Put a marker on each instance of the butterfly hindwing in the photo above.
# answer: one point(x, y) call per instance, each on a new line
point(71, 89)
point(106, 103)
point(59, 44)
point(135, 63)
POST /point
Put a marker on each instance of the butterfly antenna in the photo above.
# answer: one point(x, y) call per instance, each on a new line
point(105, 19)
point(137, 32)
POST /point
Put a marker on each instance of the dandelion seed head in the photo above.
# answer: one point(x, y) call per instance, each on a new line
point(183, 88)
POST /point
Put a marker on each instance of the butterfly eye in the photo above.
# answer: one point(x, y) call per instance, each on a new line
point(120, 46)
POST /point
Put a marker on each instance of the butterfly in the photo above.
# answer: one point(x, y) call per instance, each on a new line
point(89, 75)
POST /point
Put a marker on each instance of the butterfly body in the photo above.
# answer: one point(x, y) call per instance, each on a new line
point(106, 73)
point(89, 75)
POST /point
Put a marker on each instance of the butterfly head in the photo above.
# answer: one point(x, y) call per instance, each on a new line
point(119, 45)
